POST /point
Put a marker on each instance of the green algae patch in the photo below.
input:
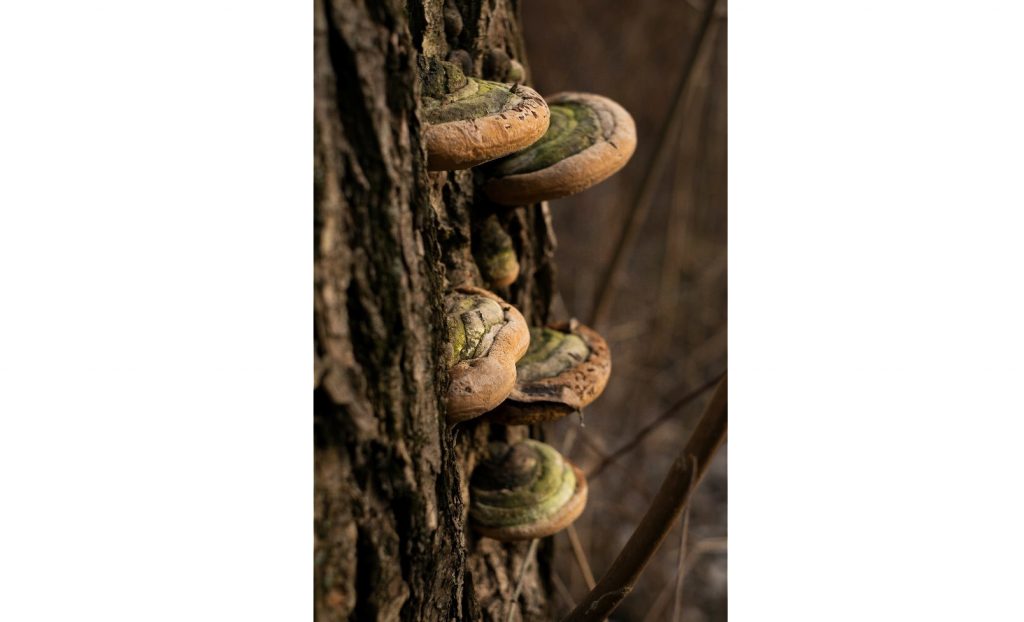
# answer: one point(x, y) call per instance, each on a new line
point(495, 252)
point(551, 352)
point(478, 98)
point(528, 483)
point(472, 322)
point(573, 128)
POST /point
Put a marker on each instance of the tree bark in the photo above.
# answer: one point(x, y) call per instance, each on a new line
point(390, 239)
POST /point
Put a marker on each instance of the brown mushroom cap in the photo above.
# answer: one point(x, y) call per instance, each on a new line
point(590, 137)
point(525, 491)
point(483, 364)
point(564, 381)
point(480, 121)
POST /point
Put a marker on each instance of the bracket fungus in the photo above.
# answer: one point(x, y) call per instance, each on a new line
point(590, 137)
point(495, 253)
point(525, 491)
point(487, 337)
point(565, 368)
point(471, 121)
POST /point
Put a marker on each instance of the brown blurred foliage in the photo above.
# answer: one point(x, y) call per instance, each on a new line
point(667, 326)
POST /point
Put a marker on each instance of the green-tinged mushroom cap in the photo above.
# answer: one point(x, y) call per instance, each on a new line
point(476, 98)
point(526, 490)
point(486, 337)
point(473, 321)
point(495, 253)
point(573, 128)
point(469, 121)
point(551, 352)
point(589, 138)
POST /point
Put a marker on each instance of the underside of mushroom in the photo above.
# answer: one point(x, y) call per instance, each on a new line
point(566, 368)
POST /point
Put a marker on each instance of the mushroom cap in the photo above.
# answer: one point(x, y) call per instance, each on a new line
point(494, 336)
point(481, 121)
point(555, 377)
point(525, 491)
point(506, 272)
point(590, 138)
point(495, 253)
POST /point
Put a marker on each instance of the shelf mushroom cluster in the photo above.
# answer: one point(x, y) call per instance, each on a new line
point(531, 149)
point(548, 147)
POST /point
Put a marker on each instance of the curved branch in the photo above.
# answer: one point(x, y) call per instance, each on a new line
point(672, 498)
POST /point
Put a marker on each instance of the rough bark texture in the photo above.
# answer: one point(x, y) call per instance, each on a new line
point(391, 479)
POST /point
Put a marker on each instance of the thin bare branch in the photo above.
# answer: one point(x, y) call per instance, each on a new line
point(652, 426)
point(581, 557)
point(562, 590)
point(698, 550)
point(522, 576)
point(569, 440)
point(652, 174)
point(711, 545)
point(668, 312)
point(672, 498)
point(639, 485)
point(677, 610)
point(654, 613)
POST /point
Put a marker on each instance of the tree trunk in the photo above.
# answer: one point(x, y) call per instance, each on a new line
point(391, 238)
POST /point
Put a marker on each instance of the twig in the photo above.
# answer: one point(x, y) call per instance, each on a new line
point(594, 447)
point(654, 613)
point(562, 590)
point(650, 427)
point(709, 545)
point(522, 575)
point(698, 550)
point(638, 485)
point(677, 610)
point(569, 440)
point(581, 557)
point(683, 197)
point(645, 192)
point(668, 504)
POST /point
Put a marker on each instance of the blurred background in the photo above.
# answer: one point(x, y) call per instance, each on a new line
point(665, 321)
